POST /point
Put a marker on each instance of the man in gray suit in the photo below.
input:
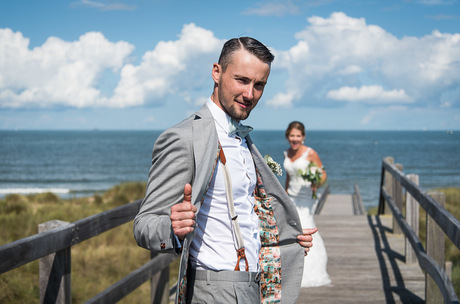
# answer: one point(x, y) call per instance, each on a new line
point(212, 198)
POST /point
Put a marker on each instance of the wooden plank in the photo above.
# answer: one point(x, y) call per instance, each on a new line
point(338, 204)
point(434, 248)
point(54, 271)
point(365, 263)
point(398, 198)
point(31, 248)
point(101, 222)
point(426, 262)
point(448, 223)
point(412, 218)
point(23, 251)
point(129, 283)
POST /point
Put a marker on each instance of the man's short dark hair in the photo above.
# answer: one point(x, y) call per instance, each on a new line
point(251, 45)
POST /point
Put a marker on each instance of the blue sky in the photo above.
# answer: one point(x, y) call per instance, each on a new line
point(340, 65)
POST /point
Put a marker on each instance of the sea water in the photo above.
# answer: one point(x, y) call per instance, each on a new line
point(78, 163)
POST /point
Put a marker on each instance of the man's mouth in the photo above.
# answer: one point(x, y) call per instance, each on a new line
point(243, 104)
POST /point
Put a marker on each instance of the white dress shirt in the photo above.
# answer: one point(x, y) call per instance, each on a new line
point(213, 247)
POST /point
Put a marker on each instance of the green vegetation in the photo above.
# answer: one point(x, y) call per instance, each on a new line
point(452, 253)
point(103, 260)
point(97, 263)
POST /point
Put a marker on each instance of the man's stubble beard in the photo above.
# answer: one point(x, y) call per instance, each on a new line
point(231, 109)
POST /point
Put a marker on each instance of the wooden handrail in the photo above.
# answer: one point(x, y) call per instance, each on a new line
point(126, 285)
point(23, 251)
point(322, 199)
point(446, 221)
point(426, 262)
point(358, 208)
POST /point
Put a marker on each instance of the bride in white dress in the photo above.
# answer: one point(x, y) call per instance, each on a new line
point(298, 156)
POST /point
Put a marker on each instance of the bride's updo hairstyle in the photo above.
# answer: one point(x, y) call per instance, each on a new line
point(295, 125)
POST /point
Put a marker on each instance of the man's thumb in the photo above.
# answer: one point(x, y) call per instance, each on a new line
point(188, 193)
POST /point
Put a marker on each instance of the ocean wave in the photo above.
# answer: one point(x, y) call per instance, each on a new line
point(33, 190)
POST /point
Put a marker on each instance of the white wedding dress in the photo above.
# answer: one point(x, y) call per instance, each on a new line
point(314, 271)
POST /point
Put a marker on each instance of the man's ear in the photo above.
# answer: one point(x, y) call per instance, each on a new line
point(216, 72)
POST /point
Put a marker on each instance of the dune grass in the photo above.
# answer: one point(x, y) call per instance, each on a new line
point(103, 260)
point(97, 263)
point(452, 253)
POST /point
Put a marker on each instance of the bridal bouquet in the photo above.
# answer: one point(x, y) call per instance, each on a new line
point(313, 174)
point(276, 168)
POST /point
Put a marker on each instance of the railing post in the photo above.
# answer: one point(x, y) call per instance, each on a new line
point(159, 286)
point(388, 182)
point(54, 271)
point(397, 195)
point(435, 248)
point(412, 218)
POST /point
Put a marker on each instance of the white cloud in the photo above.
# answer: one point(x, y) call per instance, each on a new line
point(436, 2)
point(62, 73)
point(369, 94)
point(274, 8)
point(173, 67)
point(338, 53)
point(350, 69)
point(381, 112)
point(281, 100)
point(58, 72)
point(104, 6)
point(443, 17)
point(338, 58)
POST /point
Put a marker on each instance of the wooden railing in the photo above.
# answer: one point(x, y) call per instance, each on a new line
point(322, 199)
point(358, 208)
point(440, 223)
point(55, 244)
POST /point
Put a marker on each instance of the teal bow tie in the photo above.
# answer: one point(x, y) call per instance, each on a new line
point(235, 127)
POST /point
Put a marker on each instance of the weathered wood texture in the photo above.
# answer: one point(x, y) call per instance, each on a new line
point(441, 219)
point(412, 218)
point(54, 271)
point(54, 247)
point(434, 248)
point(23, 251)
point(365, 259)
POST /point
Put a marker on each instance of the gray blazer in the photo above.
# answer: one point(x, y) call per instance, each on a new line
point(187, 153)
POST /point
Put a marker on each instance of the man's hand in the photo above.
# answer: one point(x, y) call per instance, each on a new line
point(183, 215)
point(306, 239)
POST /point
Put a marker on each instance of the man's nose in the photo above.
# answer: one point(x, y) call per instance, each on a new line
point(248, 93)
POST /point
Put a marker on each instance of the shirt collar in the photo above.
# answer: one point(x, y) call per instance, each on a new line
point(221, 118)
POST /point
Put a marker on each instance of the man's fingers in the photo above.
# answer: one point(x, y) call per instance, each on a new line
point(183, 214)
point(307, 234)
point(181, 233)
point(188, 193)
point(183, 225)
point(306, 239)
point(309, 230)
point(183, 207)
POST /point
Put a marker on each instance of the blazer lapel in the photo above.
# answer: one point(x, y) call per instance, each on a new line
point(284, 207)
point(204, 136)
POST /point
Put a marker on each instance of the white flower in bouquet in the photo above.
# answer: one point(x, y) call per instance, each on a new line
point(273, 165)
point(313, 174)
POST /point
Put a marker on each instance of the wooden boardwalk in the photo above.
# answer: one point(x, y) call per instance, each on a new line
point(365, 260)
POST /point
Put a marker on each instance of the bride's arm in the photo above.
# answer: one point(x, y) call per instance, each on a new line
point(314, 157)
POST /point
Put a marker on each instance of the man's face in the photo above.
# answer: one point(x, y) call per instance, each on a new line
point(241, 85)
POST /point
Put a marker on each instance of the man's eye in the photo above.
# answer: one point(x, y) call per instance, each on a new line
point(260, 86)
